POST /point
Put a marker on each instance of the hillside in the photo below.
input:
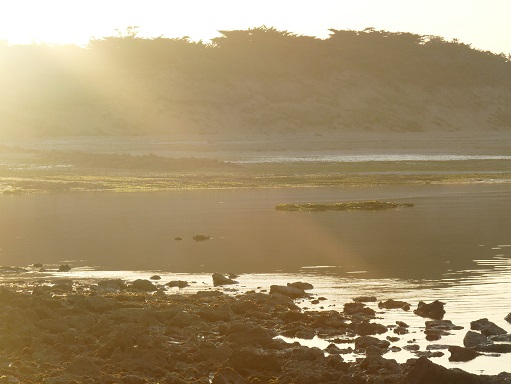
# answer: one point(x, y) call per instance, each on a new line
point(257, 81)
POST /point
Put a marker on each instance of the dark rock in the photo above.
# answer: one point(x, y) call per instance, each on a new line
point(435, 329)
point(221, 312)
point(292, 316)
point(435, 334)
point(394, 304)
point(486, 327)
point(501, 338)
point(243, 307)
point(411, 347)
point(436, 347)
point(363, 342)
point(426, 372)
point(64, 268)
point(365, 299)
point(402, 324)
point(366, 328)
point(434, 310)
point(183, 319)
point(307, 334)
point(445, 325)
point(508, 317)
point(307, 354)
point(288, 291)
point(209, 294)
point(177, 283)
point(178, 238)
point(400, 331)
point(333, 349)
point(374, 363)
point(429, 354)
point(462, 354)
point(83, 366)
point(301, 285)
point(37, 265)
point(228, 376)
point(358, 308)
point(494, 348)
point(98, 303)
point(219, 279)
point(473, 339)
point(393, 339)
point(201, 238)
point(114, 284)
point(53, 325)
point(248, 334)
point(250, 359)
point(143, 285)
point(155, 277)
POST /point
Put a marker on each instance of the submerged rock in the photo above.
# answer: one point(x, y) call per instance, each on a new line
point(201, 237)
point(365, 299)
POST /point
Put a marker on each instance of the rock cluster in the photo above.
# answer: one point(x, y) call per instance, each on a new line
point(113, 332)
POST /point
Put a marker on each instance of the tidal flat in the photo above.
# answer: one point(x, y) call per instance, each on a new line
point(61, 206)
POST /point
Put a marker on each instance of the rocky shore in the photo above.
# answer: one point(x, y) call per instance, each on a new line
point(112, 331)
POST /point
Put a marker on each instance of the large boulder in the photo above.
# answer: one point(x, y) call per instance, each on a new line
point(473, 339)
point(143, 285)
point(301, 285)
point(219, 279)
point(177, 283)
point(288, 291)
point(435, 329)
point(358, 309)
point(366, 328)
point(394, 304)
point(434, 310)
point(363, 342)
point(426, 372)
point(486, 327)
point(462, 354)
point(247, 334)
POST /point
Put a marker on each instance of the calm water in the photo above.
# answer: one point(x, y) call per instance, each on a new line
point(449, 227)
point(454, 245)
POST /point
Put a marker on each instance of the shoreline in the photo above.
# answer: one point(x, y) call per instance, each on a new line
point(111, 331)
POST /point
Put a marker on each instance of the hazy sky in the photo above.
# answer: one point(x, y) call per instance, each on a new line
point(483, 23)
